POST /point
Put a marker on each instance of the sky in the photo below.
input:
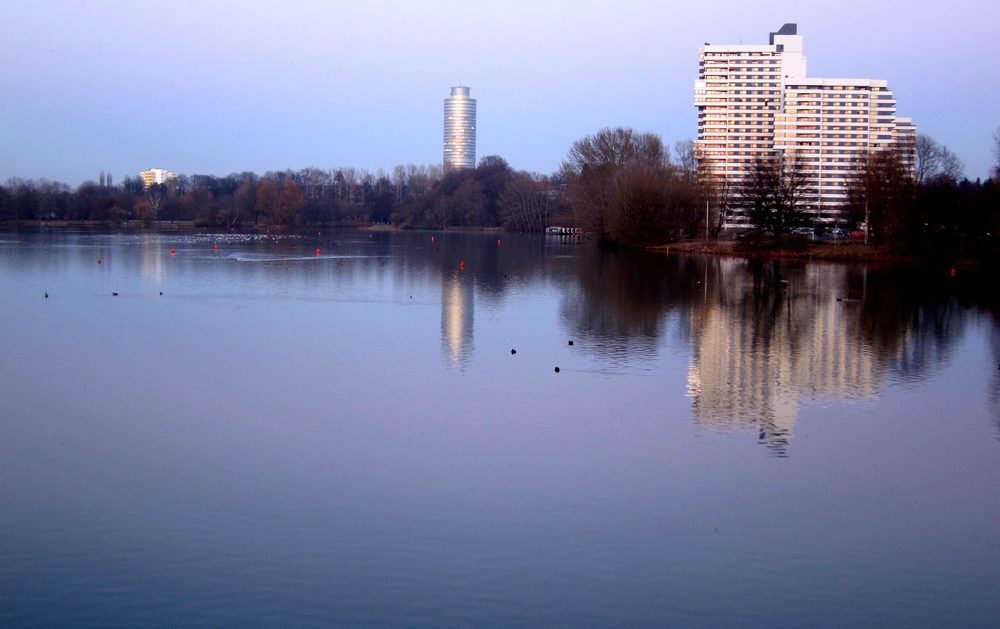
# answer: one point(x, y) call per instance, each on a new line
point(217, 87)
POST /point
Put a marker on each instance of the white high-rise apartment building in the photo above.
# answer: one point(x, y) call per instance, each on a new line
point(459, 130)
point(755, 101)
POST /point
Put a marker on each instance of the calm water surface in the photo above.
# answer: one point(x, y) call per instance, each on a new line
point(286, 439)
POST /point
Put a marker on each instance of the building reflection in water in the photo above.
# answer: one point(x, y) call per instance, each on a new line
point(768, 342)
point(766, 336)
point(152, 260)
point(457, 304)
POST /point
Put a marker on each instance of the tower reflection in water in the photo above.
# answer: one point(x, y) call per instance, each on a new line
point(457, 303)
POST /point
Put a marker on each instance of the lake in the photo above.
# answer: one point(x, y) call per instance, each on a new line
point(325, 429)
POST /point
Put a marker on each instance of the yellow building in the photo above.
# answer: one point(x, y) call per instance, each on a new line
point(156, 175)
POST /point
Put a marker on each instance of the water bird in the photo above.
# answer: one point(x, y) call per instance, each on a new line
point(161, 293)
point(557, 369)
point(571, 342)
point(46, 295)
point(513, 351)
point(114, 294)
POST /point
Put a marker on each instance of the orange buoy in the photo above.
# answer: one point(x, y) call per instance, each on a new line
point(216, 246)
point(171, 251)
point(498, 241)
point(432, 238)
point(317, 252)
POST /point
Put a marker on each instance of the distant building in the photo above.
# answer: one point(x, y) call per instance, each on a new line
point(754, 101)
point(459, 130)
point(156, 175)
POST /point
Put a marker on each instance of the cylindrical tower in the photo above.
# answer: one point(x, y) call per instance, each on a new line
point(459, 130)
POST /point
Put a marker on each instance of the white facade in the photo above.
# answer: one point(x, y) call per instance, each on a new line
point(756, 101)
point(459, 130)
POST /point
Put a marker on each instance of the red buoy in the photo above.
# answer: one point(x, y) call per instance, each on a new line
point(98, 260)
point(498, 241)
point(953, 272)
point(171, 251)
point(317, 252)
point(462, 265)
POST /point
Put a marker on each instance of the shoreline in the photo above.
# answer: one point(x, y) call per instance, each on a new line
point(847, 252)
point(133, 224)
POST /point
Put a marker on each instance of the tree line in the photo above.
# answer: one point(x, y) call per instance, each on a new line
point(622, 186)
point(491, 195)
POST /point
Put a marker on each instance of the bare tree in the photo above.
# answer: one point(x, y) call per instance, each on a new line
point(881, 193)
point(244, 202)
point(348, 183)
point(686, 159)
point(595, 164)
point(637, 205)
point(435, 172)
point(723, 194)
point(935, 162)
point(313, 180)
point(399, 181)
point(772, 194)
point(156, 194)
point(524, 205)
point(755, 193)
point(996, 153)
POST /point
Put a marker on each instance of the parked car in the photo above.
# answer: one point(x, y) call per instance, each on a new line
point(857, 234)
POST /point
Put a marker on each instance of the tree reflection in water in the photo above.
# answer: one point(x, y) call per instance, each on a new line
point(620, 301)
point(766, 335)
